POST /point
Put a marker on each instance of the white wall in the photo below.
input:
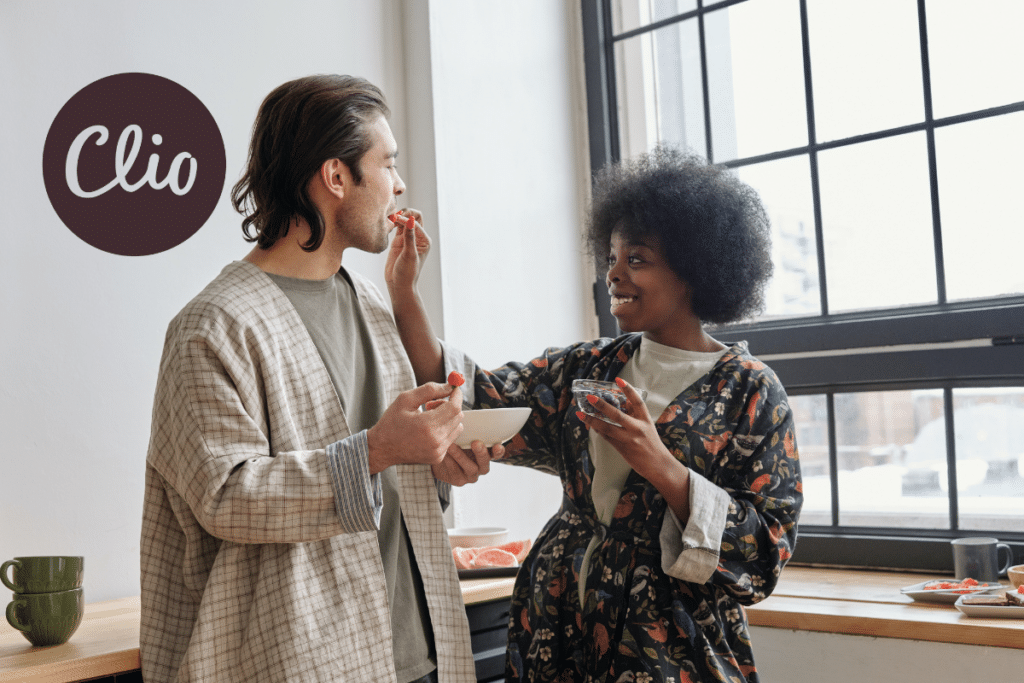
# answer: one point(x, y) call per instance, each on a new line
point(82, 329)
point(510, 136)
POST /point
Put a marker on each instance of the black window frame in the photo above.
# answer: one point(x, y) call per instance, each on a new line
point(902, 348)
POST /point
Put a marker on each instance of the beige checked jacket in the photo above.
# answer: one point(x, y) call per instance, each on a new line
point(249, 571)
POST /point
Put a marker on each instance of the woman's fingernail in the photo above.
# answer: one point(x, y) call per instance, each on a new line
point(621, 382)
point(592, 399)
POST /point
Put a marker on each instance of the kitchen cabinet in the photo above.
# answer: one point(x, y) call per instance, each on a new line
point(488, 631)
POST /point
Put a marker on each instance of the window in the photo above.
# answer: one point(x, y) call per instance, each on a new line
point(886, 138)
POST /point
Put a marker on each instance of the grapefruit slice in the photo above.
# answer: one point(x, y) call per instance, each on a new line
point(517, 548)
point(464, 557)
point(494, 557)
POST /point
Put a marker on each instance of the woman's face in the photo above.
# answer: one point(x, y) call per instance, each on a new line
point(647, 295)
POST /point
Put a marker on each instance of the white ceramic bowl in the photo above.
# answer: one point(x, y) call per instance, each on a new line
point(1016, 575)
point(477, 536)
point(495, 425)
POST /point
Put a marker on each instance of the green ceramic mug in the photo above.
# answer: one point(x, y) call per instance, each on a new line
point(44, 574)
point(47, 618)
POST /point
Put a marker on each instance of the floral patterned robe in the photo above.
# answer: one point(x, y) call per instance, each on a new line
point(734, 427)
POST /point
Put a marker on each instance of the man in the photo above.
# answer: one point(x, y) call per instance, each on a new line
point(292, 527)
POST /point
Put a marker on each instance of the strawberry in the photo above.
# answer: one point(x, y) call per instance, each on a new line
point(456, 379)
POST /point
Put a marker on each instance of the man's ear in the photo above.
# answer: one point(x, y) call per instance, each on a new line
point(335, 177)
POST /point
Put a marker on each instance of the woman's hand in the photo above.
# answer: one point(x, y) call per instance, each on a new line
point(638, 442)
point(409, 249)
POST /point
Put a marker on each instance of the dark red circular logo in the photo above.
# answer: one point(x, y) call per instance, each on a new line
point(134, 164)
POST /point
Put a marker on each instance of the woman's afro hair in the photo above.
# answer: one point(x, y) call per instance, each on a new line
point(711, 228)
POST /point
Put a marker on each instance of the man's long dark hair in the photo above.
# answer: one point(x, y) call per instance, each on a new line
point(300, 125)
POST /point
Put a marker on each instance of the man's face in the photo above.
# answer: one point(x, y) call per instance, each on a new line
point(361, 219)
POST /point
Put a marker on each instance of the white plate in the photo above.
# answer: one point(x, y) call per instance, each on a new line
point(989, 611)
point(945, 595)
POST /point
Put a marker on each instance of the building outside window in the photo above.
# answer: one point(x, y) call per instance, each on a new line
point(886, 138)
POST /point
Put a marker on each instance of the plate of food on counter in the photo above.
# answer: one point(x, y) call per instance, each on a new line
point(1008, 604)
point(479, 556)
point(948, 590)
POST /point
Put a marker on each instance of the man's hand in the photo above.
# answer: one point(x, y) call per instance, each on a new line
point(405, 434)
point(461, 467)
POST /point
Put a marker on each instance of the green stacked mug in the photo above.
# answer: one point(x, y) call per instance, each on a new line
point(48, 605)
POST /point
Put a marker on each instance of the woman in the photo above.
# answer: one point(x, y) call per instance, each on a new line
point(685, 510)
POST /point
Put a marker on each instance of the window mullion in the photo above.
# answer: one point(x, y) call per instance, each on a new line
point(833, 455)
point(608, 46)
point(812, 142)
point(951, 489)
point(704, 80)
point(926, 80)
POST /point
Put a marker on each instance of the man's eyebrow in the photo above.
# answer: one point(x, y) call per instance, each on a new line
point(393, 155)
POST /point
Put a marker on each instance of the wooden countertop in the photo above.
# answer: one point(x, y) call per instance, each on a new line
point(808, 599)
point(106, 643)
point(483, 590)
point(869, 603)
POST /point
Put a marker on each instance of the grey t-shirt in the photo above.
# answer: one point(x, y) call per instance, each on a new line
point(331, 313)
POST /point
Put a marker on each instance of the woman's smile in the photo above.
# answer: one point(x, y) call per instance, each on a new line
point(619, 300)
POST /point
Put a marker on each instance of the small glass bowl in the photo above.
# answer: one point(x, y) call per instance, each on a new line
point(608, 391)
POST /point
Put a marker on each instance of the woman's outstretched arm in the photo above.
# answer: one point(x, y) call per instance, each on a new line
point(409, 248)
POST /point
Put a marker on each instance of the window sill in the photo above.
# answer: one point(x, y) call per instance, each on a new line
point(869, 603)
point(107, 642)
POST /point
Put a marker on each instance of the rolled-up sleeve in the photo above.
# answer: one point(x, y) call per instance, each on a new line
point(357, 494)
point(691, 553)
